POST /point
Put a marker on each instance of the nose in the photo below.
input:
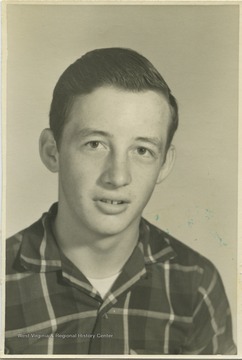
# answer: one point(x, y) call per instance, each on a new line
point(117, 172)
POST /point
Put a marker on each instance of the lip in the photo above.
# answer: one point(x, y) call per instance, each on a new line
point(112, 202)
point(110, 199)
point(111, 206)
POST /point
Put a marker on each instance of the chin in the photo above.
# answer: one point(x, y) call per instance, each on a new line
point(112, 227)
point(111, 230)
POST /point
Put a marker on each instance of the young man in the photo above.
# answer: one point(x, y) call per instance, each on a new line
point(92, 276)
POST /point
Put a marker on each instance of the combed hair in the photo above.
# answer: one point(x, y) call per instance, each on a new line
point(119, 67)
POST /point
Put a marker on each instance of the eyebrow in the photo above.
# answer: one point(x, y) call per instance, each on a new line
point(153, 140)
point(89, 131)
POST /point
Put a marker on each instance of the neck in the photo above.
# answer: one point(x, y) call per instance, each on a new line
point(95, 255)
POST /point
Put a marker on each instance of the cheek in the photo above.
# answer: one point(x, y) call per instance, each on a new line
point(143, 190)
point(69, 174)
point(146, 177)
point(78, 177)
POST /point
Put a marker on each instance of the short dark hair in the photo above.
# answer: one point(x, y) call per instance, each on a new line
point(118, 67)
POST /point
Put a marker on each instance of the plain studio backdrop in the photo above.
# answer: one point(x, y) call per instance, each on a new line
point(196, 50)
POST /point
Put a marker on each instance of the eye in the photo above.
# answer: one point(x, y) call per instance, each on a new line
point(143, 151)
point(146, 153)
point(93, 144)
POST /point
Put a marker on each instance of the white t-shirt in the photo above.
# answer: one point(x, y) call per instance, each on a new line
point(103, 285)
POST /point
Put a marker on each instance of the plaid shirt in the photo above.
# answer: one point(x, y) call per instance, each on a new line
point(168, 299)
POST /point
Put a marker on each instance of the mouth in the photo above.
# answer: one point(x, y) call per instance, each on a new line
point(112, 206)
point(113, 202)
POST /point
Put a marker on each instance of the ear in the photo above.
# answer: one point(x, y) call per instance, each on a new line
point(48, 150)
point(167, 165)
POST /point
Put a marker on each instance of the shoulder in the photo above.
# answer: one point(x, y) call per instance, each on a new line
point(184, 257)
point(191, 275)
point(14, 245)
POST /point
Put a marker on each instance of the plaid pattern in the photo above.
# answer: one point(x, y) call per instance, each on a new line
point(167, 300)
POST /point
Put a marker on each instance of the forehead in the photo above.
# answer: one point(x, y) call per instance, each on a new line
point(113, 108)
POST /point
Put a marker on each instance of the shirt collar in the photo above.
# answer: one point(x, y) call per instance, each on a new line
point(156, 244)
point(40, 252)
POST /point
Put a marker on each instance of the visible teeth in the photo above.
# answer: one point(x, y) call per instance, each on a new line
point(112, 202)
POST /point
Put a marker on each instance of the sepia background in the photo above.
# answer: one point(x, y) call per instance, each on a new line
point(196, 50)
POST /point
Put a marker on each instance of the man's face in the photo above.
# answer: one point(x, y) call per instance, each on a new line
point(110, 158)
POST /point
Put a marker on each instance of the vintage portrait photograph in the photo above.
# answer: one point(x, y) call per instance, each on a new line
point(121, 180)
